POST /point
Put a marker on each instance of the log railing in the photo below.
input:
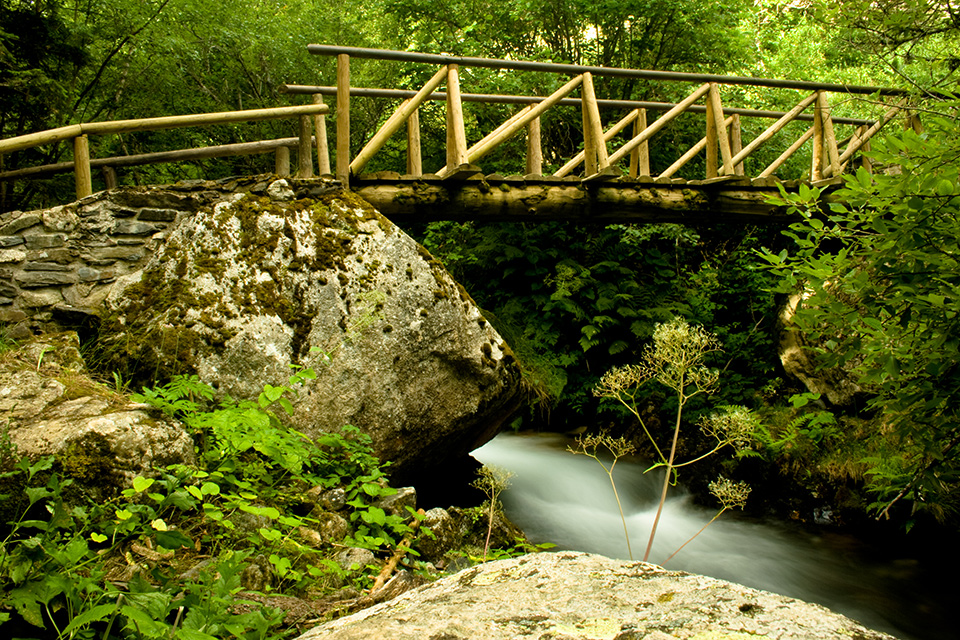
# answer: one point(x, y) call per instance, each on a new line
point(308, 116)
point(725, 150)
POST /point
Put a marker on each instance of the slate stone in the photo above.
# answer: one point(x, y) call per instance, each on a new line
point(21, 223)
point(35, 279)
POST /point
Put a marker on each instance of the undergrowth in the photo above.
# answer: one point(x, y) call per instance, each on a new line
point(165, 557)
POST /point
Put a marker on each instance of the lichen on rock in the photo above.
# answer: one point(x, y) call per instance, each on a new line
point(255, 284)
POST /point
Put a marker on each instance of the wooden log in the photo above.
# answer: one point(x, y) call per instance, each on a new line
point(602, 202)
point(609, 135)
point(343, 119)
point(773, 129)
point(305, 149)
point(490, 142)
point(690, 154)
point(180, 155)
point(640, 157)
point(832, 158)
point(414, 157)
point(736, 141)
point(711, 138)
point(595, 147)
point(395, 121)
point(865, 161)
point(792, 149)
point(456, 135)
point(659, 124)
point(323, 147)
point(887, 117)
point(534, 150)
point(42, 137)
point(715, 116)
point(282, 162)
point(816, 156)
point(109, 176)
point(81, 159)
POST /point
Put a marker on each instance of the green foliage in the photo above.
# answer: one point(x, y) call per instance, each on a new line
point(879, 275)
point(58, 554)
point(572, 302)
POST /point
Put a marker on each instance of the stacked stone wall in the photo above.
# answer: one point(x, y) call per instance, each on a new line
point(64, 259)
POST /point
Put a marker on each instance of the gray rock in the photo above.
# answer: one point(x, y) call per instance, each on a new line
point(332, 527)
point(252, 285)
point(578, 595)
point(353, 557)
point(99, 437)
point(397, 504)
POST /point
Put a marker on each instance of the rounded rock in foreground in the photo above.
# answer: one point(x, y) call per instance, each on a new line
point(579, 595)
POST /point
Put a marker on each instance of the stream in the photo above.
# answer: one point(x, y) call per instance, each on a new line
point(566, 499)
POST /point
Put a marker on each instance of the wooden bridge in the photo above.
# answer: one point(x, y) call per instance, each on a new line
point(609, 179)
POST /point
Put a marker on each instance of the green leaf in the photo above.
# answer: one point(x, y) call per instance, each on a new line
point(91, 615)
point(173, 539)
point(141, 484)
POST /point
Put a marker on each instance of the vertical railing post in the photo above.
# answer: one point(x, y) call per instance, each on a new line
point(305, 148)
point(534, 150)
point(343, 119)
point(816, 155)
point(864, 148)
point(282, 162)
point(640, 157)
point(320, 131)
point(717, 139)
point(109, 176)
point(456, 135)
point(595, 147)
point(735, 135)
point(414, 157)
point(81, 166)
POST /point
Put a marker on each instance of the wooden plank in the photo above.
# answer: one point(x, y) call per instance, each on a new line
point(305, 149)
point(660, 123)
point(534, 150)
point(456, 135)
point(320, 129)
point(414, 157)
point(343, 119)
point(81, 159)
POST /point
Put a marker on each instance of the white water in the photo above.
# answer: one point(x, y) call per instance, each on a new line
point(565, 499)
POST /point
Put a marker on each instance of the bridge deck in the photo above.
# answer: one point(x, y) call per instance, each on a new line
point(470, 195)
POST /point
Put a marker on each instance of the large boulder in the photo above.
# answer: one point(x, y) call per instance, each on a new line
point(254, 286)
point(563, 596)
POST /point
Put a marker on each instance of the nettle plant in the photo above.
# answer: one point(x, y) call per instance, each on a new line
point(675, 359)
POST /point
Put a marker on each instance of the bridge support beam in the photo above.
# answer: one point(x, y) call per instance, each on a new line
point(517, 199)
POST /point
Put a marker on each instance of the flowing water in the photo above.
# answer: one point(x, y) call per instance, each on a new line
point(558, 497)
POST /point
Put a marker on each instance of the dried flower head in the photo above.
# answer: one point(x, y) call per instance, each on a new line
point(730, 494)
